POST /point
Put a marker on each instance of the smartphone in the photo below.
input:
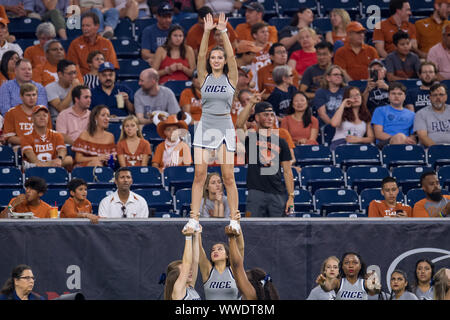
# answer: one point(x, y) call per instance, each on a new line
point(374, 75)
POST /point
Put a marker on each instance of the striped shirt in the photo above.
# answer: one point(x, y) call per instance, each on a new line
point(10, 95)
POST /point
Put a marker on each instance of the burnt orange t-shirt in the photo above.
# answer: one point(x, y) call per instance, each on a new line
point(262, 58)
point(387, 30)
point(427, 209)
point(44, 147)
point(429, 33)
point(18, 122)
point(379, 209)
point(158, 156)
point(79, 50)
point(36, 55)
point(134, 159)
point(244, 31)
point(3, 79)
point(40, 211)
point(46, 73)
point(356, 65)
point(195, 34)
point(187, 97)
point(265, 79)
point(70, 209)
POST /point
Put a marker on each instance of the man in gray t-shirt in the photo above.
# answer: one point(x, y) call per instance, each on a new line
point(153, 97)
point(432, 124)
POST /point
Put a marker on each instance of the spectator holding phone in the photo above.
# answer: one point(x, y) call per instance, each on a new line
point(389, 207)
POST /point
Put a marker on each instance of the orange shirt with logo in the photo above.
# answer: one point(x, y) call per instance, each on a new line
point(356, 65)
point(134, 159)
point(18, 122)
point(70, 209)
point(47, 73)
point(429, 33)
point(387, 30)
point(379, 209)
point(44, 147)
point(195, 34)
point(36, 55)
point(40, 211)
point(244, 31)
point(187, 97)
point(262, 58)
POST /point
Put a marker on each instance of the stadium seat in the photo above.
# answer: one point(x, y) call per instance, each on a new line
point(95, 177)
point(7, 156)
point(242, 194)
point(23, 27)
point(322, 24)
point(306, 155)
point(131, 69)
point(438, 155)
point(132, 84)
point(346, 214)
point(335, 199)
point(422, 8)
point(367, 195)
point(73, 33)
point(314, 177)
point(361, 84)
point(159, 199)
point(25, 43)
point(444, 176)
point(180, 177)
point(303, 201)
point(418, 194)
point(183, 199)
point(58, 196)
point(234, 21)
point(7, 194)
point(149, 132)
point(382, 5)
point(56, 177)
point(403, 154)
point(115, 128)
point(290, 7)
point(177, 86)
point(95, 196)
point(411, 83)
point(187, 23)
point(347, 155)
point(408, 177)
point(10, 177)
point(163, 215)
point(126, 48)
point(307, 215)
point(363, 177)
point(140, 25)
point(124, 30)
point(271, 8)
point(351, 6)
point(146, 178)
point(240, 176)
point(327, 133)
point(279, 23)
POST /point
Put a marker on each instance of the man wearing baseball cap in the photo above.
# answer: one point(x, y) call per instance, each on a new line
point(376, 92)
point(44, 147)
point(254, 14)
point(245, 54)
point(108, 91)
point(4, 44)
point(355, 56)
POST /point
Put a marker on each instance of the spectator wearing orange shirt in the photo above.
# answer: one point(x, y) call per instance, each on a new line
point(355, 56)
point(191, 99)
point(435, 204)
point(8, 66)
point(78, 206)
point(30, 201)
point(90, 40)
point(254, 14)
point(400, 11)
point(36, 54)
point(429, 30)
point(43, 147)
point(132, 149)
point(389, 207)
point(245, 55)
point(261, 37)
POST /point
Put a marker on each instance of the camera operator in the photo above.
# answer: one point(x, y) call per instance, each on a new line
point(376, 92)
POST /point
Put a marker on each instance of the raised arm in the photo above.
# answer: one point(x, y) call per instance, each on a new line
point(179, 287)
point(203, 50)
point(232, 64)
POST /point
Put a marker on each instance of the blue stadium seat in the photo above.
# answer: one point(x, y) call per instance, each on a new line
point(408, 177)
point(303, 201)
point(418, 194)
point(322, 25)
point(351, 6)
point(124, 29)
point(290, 7)
point(346, 214)
point(126, 48)
point(164, 215)
point(183, 198)
point(234, 21)
point(383, 5)
point(115, 128)
point(367, 195)
point(132, 84)
point(187, 23)
point(95, 196)
point(159, 199)
point(242, 194)
point(176, 178)
point(347, 155)
point(56, 177)
point(307, 215)
point(270, 9)
point(73, 33)
point(444, 176)
point(7, 194)
point(327, 133)
point(58, 196)
point(411, 83)
point(10, 177)
point(140, 25)
point(177, 86)
point(131, 68)
point(314, 177)
point(25, 43)
point(95, 177)
point(7, 156)
point(363, 177)
point(306, 155)
point(438, 155)
point(336, 199)
point(23, 27)
point(146, 177)
point(422, 7)
point(403, 154)
point(279, 23)
point(361, 84)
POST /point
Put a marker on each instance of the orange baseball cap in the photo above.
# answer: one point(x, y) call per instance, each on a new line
point(38, 108)
point(247, 46)
point(355, 26)
point(4, 21)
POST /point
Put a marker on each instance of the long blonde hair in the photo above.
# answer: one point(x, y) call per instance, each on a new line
point(441, 286)
point(123, 134)
point(345, 17)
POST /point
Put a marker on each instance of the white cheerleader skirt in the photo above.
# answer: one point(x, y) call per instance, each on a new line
point(212, 130)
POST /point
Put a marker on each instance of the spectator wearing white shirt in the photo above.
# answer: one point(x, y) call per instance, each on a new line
point(123, 203)
point(4, 44)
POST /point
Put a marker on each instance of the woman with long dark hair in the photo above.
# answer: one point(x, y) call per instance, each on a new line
point(301, 124)
point(424, 273)
point(8, 65)
point(352, 120)
point(20, 285)
point(174, 60)
point(400, 286)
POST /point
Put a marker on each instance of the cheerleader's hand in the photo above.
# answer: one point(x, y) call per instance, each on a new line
point(222, 24)
point(209, 22)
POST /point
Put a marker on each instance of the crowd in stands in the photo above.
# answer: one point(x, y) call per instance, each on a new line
point(346, 78)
